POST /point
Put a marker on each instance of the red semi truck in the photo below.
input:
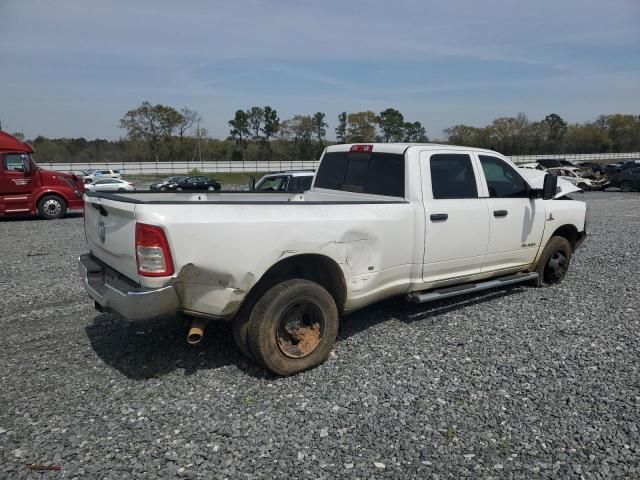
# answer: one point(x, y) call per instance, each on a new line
point(25, 188)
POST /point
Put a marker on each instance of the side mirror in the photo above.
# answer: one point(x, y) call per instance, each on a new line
point(26, 166)
point(550, 186)
point(252, 184)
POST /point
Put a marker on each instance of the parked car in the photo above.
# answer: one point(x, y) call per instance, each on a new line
point(422, 221)
point(576, 176)
point(195, 183)
point(25, 188)
point(290, 181)
point(95, 174)
point(168, 183)
point(626, 180)
point(110, 185)
point(630, 164)
point(80, 173)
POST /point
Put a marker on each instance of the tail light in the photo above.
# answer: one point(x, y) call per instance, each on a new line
point(152, 251)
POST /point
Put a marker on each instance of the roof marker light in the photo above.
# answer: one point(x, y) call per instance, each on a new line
point(362, 148)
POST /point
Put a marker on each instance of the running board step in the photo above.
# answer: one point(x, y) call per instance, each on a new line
point(447, 292)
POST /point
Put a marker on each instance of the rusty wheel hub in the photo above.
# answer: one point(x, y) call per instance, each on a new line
point(300, 329)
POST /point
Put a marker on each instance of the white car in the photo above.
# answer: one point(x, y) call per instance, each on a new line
point(422, 221)
point(110, 185)
point(577, 177)
point(93, 175)
point(289, 181)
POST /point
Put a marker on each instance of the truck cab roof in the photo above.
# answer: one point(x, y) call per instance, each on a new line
point(402, 147)
point(11, 143)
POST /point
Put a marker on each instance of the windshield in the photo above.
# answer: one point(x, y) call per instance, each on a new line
point(273, 184)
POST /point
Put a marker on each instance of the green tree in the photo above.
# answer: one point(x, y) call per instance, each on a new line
point(623, 130)
point(468, 136)
point(361, 127)
point(153, 124)
point(392, 125)
point(414, 132)
point(556, 127)
point(319, 126)
point(586, 138)
point(240, 127)
point(341, 129)
point(255, 117)
point(271, 123)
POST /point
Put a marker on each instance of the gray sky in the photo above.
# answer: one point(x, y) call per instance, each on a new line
point(73, 68)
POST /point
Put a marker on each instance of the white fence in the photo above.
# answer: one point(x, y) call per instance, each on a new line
point(169, 168)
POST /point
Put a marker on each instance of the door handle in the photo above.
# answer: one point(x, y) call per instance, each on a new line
point(500, 213)
point(439, 217)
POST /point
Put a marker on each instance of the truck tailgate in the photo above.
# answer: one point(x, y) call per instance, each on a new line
point(110, 227)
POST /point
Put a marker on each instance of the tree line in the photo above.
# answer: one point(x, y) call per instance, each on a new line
point(161, 133)
point(520, 136)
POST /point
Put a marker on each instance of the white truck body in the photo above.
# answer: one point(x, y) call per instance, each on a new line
point(222, 244)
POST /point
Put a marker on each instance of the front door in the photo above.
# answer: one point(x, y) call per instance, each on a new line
point(457, 219)
point(13, 180)
point(517, 221)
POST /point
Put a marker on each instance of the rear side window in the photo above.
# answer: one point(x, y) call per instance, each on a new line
point(300, 184)
point(502, 179)
point(363, 172)
point(452, 176)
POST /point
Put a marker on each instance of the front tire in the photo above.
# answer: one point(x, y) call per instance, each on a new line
point(52, 206)
point(554, 262)
point(293, 327)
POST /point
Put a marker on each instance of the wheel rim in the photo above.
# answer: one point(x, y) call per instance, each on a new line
point(210, 189)
point(300, 329)
point(556, 267)
point(52, 207)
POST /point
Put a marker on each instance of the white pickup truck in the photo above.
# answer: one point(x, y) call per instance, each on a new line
point(382, 220)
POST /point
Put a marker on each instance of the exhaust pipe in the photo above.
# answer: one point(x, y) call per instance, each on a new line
point(196, 332)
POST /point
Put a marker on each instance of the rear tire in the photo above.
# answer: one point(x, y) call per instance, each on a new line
point(554, 262)
point(293, 327)
point(52, 206)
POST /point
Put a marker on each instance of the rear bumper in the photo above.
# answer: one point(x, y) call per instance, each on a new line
point(114, 293)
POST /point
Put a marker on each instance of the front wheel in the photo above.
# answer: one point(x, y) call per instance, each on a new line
point(293, 327)
point(52, 206)
point(554, 262)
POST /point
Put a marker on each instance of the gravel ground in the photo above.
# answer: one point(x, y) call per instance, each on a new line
point(522, 383)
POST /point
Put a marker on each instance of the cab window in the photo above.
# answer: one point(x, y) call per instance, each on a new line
point(452, 176)
point(502, 179)
point(273, 184)
point(12, 162)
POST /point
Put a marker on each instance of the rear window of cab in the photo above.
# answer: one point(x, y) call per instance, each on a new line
point(362, 172)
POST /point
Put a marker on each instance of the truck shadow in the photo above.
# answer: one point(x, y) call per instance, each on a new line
point(153, 349)
point(30, 218)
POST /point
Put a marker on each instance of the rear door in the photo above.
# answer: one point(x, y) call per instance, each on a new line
point(517, 221)
point(457, 219)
